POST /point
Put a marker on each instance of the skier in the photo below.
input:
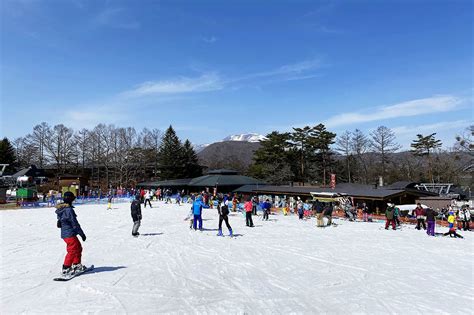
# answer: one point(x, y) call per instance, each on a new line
point(178, 199)
point(70, 228)
point(465, 218)
point(223, 210)
point(396, 216)
point(254, 205)
point(248, 213)
point(365, 212)
point(147, 198)
point(431, 221)
point(197, 211)
point(299, 206)
point(266, 209)
point(109, 202)
point(136, 212)
point(452, 226)
point(389, 215)
point(420, 217)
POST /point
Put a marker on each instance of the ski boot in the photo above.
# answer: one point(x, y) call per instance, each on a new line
point(78, 268)
point(230, 232)
point(220, 233)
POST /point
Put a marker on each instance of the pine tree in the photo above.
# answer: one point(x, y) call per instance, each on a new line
point(190, 159)
point(272, 159)
point(321, 140)
point(171, 156)
point(424, 146)
point(7, 155)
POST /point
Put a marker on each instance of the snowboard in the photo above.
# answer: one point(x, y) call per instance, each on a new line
point(70, 277)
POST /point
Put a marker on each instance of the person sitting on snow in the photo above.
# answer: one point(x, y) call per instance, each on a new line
point(452, 226)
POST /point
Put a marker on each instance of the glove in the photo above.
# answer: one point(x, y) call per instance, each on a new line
point(58, 224)
point(83, 238)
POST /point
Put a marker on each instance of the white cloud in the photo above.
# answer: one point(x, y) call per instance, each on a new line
point(209, 40)
point(204, 83)
point(435, 104)
point(89, 117)
point(430, 128)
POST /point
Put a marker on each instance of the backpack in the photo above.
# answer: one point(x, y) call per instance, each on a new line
point(224, 210)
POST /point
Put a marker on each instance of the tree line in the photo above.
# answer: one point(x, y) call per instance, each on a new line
point(310, 154)
point(108, 155)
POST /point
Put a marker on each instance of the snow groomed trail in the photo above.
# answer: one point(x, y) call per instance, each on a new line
point(278, 267)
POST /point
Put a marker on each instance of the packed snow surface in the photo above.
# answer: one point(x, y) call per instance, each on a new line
point(278, 267)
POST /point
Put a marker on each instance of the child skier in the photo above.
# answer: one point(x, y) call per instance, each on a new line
point(148, 198)
point(420, 217)
point(70, 228)
point(136, 211)
point(452, 226)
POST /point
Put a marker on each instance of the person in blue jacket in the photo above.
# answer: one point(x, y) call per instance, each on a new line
point(197, 211)
point(70, 228)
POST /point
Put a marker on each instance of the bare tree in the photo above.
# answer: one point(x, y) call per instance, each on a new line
point(344, 146)
point(383, 143)
point(39, 138)
point(360, 145)
point(61, 146)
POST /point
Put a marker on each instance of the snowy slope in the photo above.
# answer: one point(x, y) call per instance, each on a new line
point(279, 267)
point(249, 137)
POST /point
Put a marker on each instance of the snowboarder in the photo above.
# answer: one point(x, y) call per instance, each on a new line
point(178, 199)
point(248, 213)
point(70, 228)
point(420, 217)
point(319, 214)
point(266, 209)
point(452, 226)
point(223, 210)
point(389, 216)
point(365, 212)
point(197, 211)
point(147, 198)
point(136, 211)
point(431, 221)
point(328, 213)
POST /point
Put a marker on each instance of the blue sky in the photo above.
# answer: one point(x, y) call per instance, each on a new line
point(215, 68)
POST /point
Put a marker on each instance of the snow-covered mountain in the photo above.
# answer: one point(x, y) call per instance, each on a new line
point(245, 137)
point(248, 137)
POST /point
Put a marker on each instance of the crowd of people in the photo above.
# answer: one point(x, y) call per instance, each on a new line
point(225, 203)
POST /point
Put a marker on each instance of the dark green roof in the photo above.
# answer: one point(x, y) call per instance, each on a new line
point(166, 183)
point(223, 180)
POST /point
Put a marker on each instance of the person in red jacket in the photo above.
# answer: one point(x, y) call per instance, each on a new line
point(420, 214)
point(248, 206)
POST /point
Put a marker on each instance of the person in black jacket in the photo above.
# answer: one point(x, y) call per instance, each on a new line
point(223, 210)
point(136, 211)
